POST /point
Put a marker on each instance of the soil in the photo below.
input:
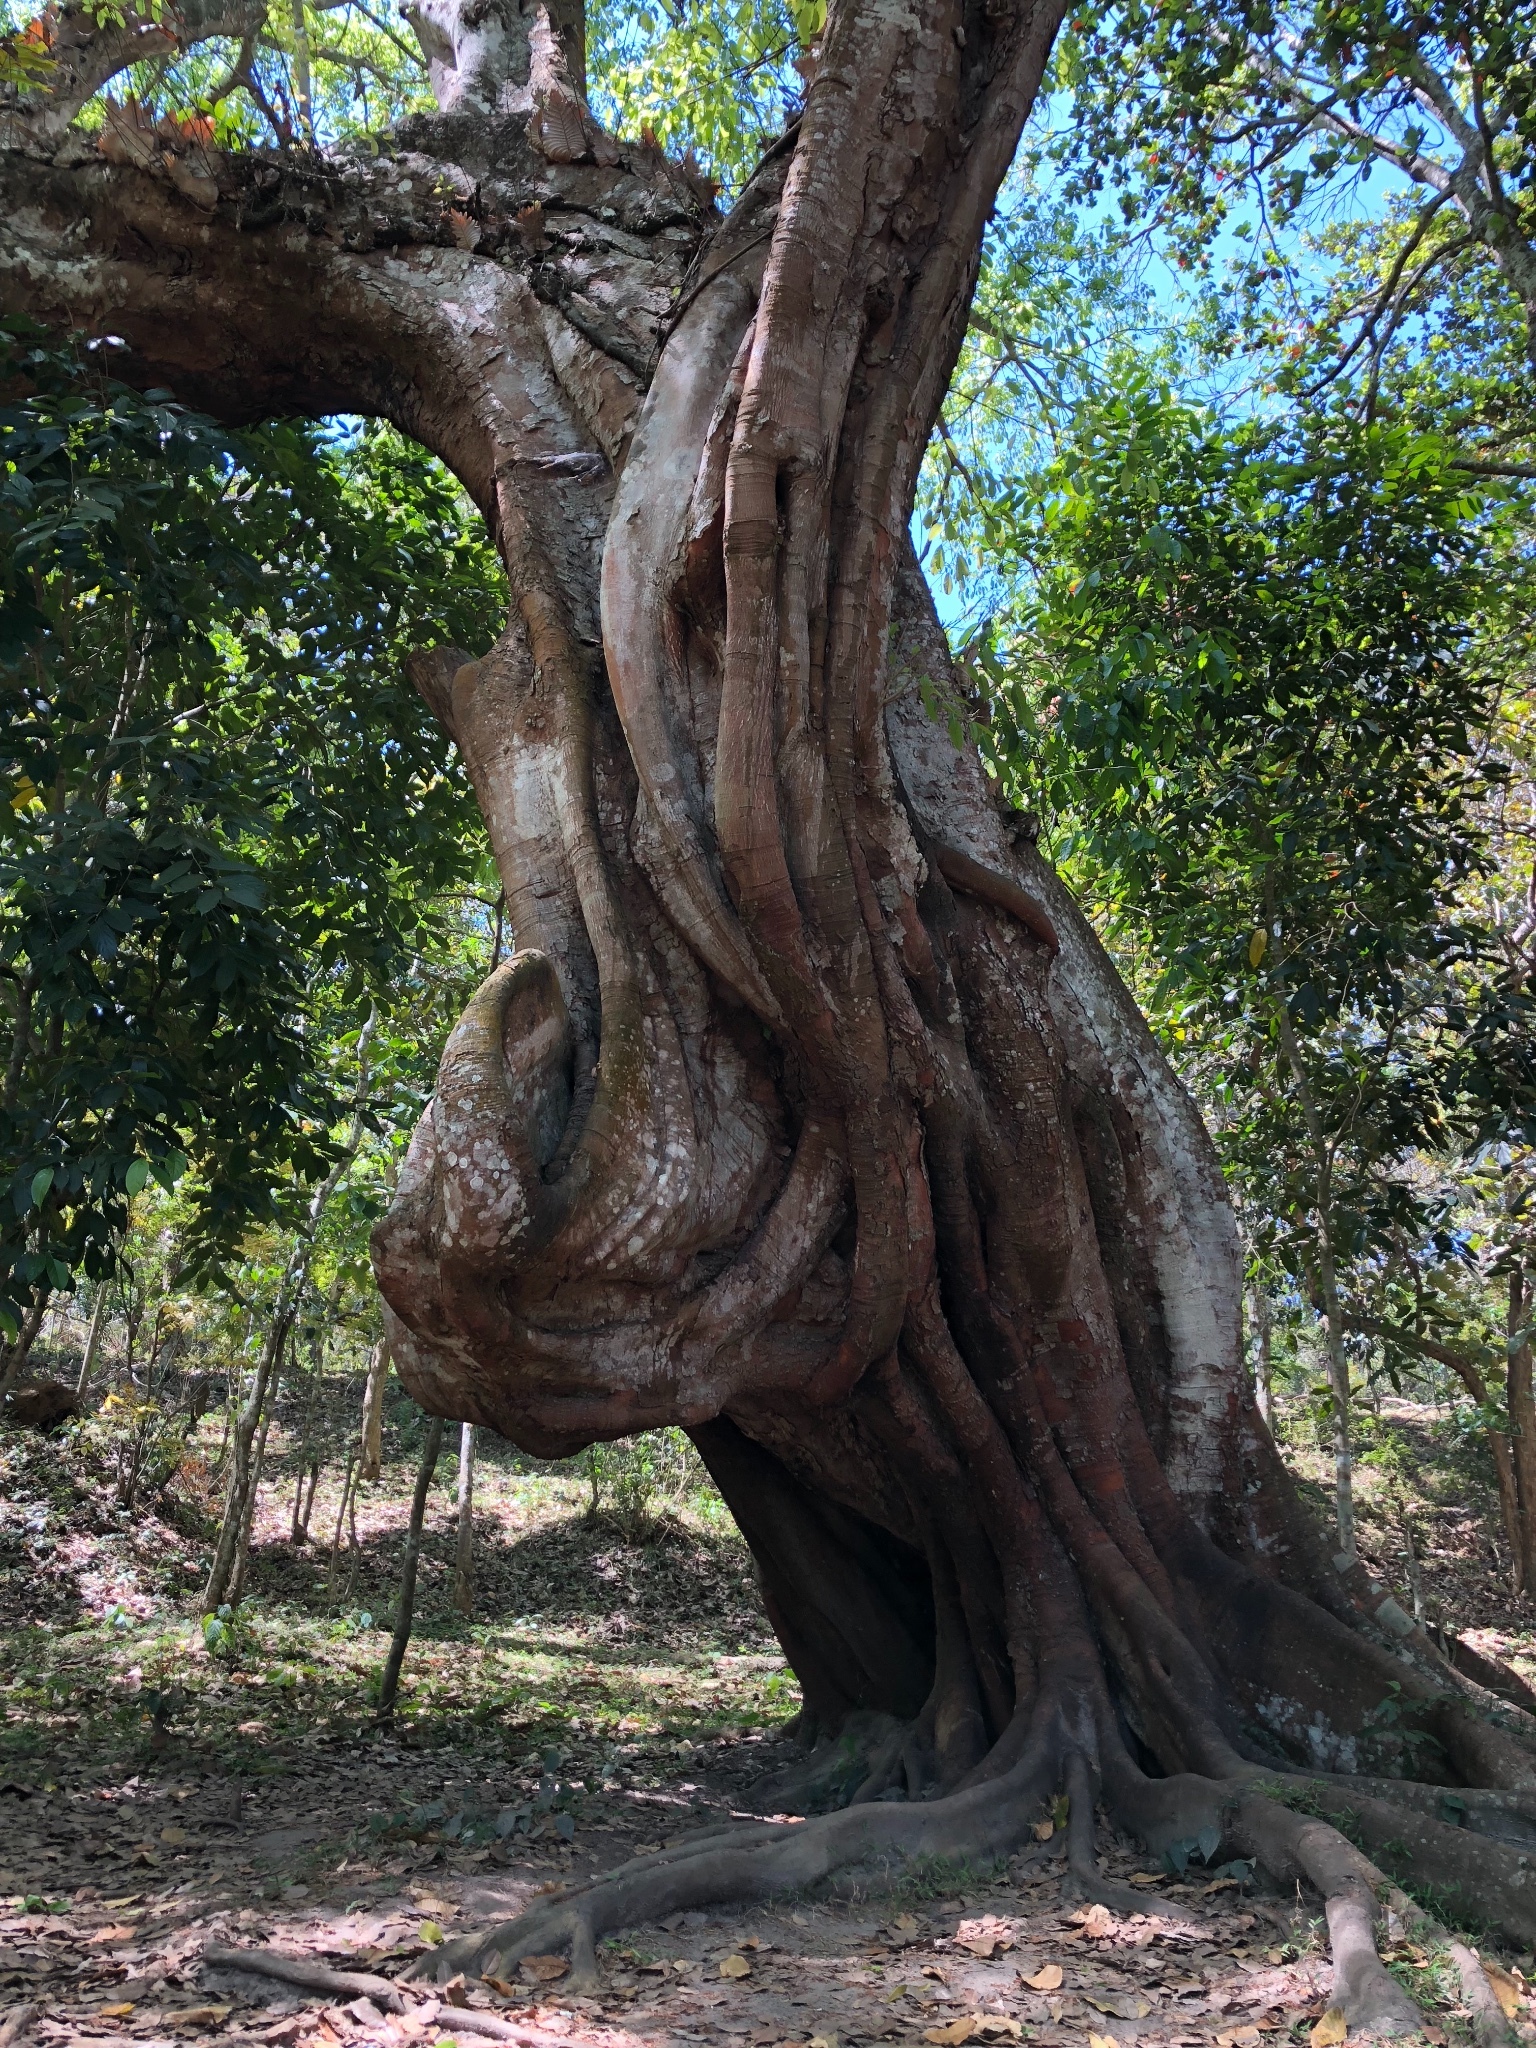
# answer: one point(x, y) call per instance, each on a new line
point(158, 1795)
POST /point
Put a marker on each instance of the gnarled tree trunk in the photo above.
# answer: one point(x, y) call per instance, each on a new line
point(807, 1113)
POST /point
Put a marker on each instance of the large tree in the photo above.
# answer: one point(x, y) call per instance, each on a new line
point(808, 1113)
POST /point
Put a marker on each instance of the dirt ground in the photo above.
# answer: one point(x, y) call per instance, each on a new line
point(160, 1795)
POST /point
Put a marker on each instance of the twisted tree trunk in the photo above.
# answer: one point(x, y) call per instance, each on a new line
point(807, 1113)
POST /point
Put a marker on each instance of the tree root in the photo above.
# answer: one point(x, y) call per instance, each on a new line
point(1082, 1866)
point(305, 1975)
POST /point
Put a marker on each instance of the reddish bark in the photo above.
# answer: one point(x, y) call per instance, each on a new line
point(807, 1112)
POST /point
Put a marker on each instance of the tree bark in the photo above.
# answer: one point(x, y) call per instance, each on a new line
point(372, 1440)
point(1522, 1428)
point(807, 1112)
point(93, 1339)
point(464, 1555)
point(405, 1611)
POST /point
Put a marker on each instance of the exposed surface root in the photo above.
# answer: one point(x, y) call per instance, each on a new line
point(1081, 1862)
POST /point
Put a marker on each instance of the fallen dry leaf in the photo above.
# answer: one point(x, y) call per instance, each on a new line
point(1102, 2041)
point(501, 1986)
point(454, 1993)
point(112, 1934)
point(1098, 1922)
point(992, 2026)
point(735, 1966)
point(951, 2036)
point(1238, 2037)
point(543, 1969)
point(1046, 1978)
point(1330, 2030)
point(114, 2012)
point(176, 1837)
point(1505, 1989)
point(905, 1923)
point(1044, 1829)
point(203, 2016)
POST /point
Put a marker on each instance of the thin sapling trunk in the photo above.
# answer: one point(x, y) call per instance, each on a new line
point(405, 1611)
point(464, 1553)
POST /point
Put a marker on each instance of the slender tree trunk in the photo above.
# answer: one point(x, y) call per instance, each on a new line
point(405, 1611)
point(248, 1516)
point(347, 1482)
point(373, 1411)
point(13, 1357)
point(92, 1340)
point(242, 1466)
point(290, 1290)
point(464, 1557)
point(1328, 1290)
point(1522, 1428)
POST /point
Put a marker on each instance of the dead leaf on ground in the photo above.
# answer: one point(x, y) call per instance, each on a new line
point(1046, 1978)
point(1098, 1922)
point(735, 1966)
point(984, 1937)
point(1044, 1829)
point(905, 1923)
point(951, 2036)
point(993, 2026)
point(202, 2016)
point(1102, 2041)
point(1505, 1989)
point(1330, 2030)
point(500, 1985)
point(543, 1969)
point(114, 2012)
point(1238, 2037)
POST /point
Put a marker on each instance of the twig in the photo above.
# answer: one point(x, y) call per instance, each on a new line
point(460, 2019)
point(265, 1962)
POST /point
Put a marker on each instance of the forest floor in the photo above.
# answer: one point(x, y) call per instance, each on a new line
point(158, 1796)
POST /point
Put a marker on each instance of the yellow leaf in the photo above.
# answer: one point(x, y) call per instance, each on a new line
point(1505, 1989)
point(735, 1966)
point(1256, 947)
point(115, 2012)
point(1102, 2041)
point(430, 1933)
point(957, 2031)
point(1330, 2030)
point(1044, 1829)
point(993, 2027)
point(1046, 1978)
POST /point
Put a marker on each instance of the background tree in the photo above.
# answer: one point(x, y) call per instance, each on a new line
point(225, 803)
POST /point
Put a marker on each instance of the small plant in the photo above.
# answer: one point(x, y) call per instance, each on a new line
point(634, 1479)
